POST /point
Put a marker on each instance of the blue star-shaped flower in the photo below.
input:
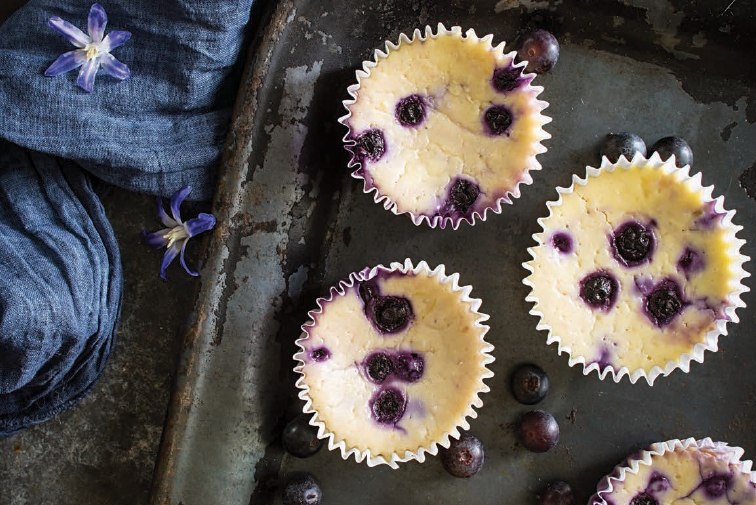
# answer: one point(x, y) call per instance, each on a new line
point(177, 233)
point(93, 50)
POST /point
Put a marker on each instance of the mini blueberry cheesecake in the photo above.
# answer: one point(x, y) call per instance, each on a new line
point(393, 362)
point(444, 126)
point(690, 472)
point(637, 269)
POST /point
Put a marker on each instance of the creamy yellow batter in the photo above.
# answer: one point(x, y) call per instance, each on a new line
point(444, 330)
point(693, 476)
point(624, 335)
point(453, 73)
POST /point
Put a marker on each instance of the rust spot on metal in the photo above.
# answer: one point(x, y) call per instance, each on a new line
point(244, 224)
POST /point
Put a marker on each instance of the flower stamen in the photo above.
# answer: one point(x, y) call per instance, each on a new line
point(92, 51)
point(176, 234)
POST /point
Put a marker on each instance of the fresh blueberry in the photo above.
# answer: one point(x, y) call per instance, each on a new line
point(562, 241)
point(409, 366)
point(506, 79)
point(498, 119)
point(302, 490)
point(300, 439)
point(388, 406)
point(464, 457)
point(379, 366)
point(371, 144)
point(643, 499)
point(633, 243)
point(541, 50)
point(599, 290)
point(463, 195)
point(538, 431)
point(530, 384)
point(391, 313)
point(320, 354)
point(668, 146)
point(717, 485)
point(410, 111)
point(664, 302)
point(558, 493)
point(622, 144)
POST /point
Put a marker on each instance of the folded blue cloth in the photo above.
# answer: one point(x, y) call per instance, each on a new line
point(160, 129)
point(60, 287)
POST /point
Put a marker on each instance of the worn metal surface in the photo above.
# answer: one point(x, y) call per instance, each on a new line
point(292, 222)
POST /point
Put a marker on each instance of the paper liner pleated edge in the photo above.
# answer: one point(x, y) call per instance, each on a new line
point(634, 462)
point(737, 288)
point(417, 35)
point(485, 354)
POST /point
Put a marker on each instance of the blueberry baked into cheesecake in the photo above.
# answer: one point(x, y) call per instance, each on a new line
point(444, 126)
point(393, 362)
point(637, 269)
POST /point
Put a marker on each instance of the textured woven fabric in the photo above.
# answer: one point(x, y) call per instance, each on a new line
point(161, 129)
point(60, 287)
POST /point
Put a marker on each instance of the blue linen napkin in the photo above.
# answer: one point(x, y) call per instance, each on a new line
point(161, 129)
point(60, 287)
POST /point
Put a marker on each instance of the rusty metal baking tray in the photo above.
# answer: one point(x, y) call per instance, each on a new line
point(291, 222)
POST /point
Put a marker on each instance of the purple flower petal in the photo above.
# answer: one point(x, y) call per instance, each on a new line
point(183, 263)
point(67, 61)
point(156, 239)
point(176, 200)
point(113, 67)
point(87, 74)
point(168, 258)
point(96, 22)
point(198, 224)
point(164, 218)
point(115, 39)
point(69, 31)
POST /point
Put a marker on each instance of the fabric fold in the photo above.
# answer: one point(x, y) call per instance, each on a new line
point(60, 287)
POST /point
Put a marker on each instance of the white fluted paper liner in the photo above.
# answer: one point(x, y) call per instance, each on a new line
point(484, 353)
point(734, 300)
point(635, 461)
point(419, 36)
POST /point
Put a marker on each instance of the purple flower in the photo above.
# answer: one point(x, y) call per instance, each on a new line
point(178, 232)
point(93, 50)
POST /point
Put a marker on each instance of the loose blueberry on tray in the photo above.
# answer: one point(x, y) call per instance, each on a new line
point(558, 493)
point(540, 49)
point(622, 144)
point(464, 457)
point(530, 384)
point(302, 489)
point(300, 439)
point(538, 431)
point(668, 146)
